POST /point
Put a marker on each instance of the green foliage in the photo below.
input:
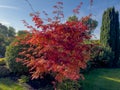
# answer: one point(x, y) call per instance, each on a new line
point(102, 57)
point(11, 32)
point(94, 61)
point(3, 30)
point(73, 18)
point(90, 23)
point(110, 32)
point(4, 71)
point(24, 79)
point(2, 45)
point(21, 32)
point(8, 84)
point(7, 31)
point(2, 62)
point(7, 35)
point(11, 55)
point(69, 85)
point(106, 57)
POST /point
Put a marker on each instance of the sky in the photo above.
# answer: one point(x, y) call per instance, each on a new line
point(12, 12)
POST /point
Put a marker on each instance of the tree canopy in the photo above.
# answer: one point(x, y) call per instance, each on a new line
point(7, 35)
point(110, 32)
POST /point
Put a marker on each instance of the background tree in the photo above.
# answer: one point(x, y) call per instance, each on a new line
point(12, 52)
point(2, 45)
point(73, 18)
point(7, 35)
point(11, 31)
point(3, 30)
point(109, 36)
point(88, 21)
point(21, 32)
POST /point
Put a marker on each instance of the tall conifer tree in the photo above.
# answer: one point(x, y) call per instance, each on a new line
point(110, 33)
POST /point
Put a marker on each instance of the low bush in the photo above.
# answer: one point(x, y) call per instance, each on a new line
point(69, 85)
point(4, 71)
point(42, 84)
point(23, 79)
point(16, 67)
point(100, 57)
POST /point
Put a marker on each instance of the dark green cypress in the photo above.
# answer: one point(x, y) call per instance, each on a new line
point(109, 36)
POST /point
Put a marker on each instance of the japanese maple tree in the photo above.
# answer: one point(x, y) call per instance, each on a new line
point(56, 47)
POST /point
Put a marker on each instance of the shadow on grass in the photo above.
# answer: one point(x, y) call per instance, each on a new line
point(8, 84)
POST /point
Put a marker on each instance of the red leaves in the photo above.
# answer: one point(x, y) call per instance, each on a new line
point(57, 48)
point(60, 3)
point(38, 21)
point(45, 13)
point(76, 10)
point(61, 50)
point(58, 12)
point(91, 2)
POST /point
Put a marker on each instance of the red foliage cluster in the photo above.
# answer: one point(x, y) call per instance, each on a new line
point(76, 10)
point(91, 2)
point(58, 48)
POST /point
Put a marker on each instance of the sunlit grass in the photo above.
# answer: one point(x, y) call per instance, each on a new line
point(102, 79)
point(7, 84)
point(112, 79)
point(2, 59)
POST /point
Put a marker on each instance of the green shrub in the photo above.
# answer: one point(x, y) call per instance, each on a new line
point(4, 71)
point(24, 79)
point(69, 85)
point(106, 57)
point(100, 57)
point(11, 55)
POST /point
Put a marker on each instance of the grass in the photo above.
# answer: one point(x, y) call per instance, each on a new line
point(97, 79)
point(8, 84)
point(102, 79)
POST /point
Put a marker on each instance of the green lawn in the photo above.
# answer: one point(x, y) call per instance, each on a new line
point(98, 79)
point(102, 79)
point(8, 84)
